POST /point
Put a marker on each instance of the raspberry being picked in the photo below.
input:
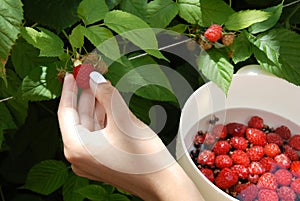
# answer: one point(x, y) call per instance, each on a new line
point(82, 75)
point(213, 33)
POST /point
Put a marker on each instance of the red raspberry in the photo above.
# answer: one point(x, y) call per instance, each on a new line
point(253, 178)
point(199, 139)
point(209, 138)
point(295, 142)
point(295, 185)
point(284, 132)
point(226, 178)
point(223, 161)
point(256, 137)
point(256, 168)
point(208, 173)
point(241, 170)
point(256, 122)
point(269, 164)
point(246, 192)
point(268, 181)
point(82, 75)
point(236, 129)
point(272, 150)
point(286, 193)
point(291, 153)
point(267, 195)
point(274, 138)
point(295, 168)
point(213, 33)
point(206, 157)
point(239, 142)
point(283, 177)
point(221, 147)
point(255, 153)
point(227, 39)
point(282, 161)
point(219, 130)
point(240, 157)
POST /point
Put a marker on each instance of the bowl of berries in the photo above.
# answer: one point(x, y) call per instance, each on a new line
point(244, 145)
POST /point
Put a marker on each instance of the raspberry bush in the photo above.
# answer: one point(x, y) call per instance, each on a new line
point(42, 40)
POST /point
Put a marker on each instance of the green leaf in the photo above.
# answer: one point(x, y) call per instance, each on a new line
point(112, 3)
point(269, 23)
point(118, 197)
point(46, 176)
point(135, 7)
point(77, 38)
point(6, 121)
point(242, 48)
point(179, 28)
point(42, 83)
point(71, 186)
point(214, 12)
point(91, 11)
point(161, 12)
point(245, 18)
point(49, 44)
point(190, 11)
point(216, 68)
point(135, 30)
point(55, 14)
point(94, 192)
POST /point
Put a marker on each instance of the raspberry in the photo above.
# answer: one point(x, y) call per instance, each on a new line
point(282, 161)
point(240, 157)
point(286, 193)
point(239, 142)
point(241, 170)
point(295, 185)
point(295, 168)
point(226, 178)
point(236, 129)
point(213, 33)
point(256, 122)
point(291, 153)
point(82, 75)
point(256, 168)
point(223, 161)
point(253, 178)
point(272, 150)
point(283, 177)
point(284, 132)
point(220, 131)
point(204, 44)
point(221, 147)
point(267, 195)
point(227, 39)
point(209, 138)
point(295, 142)
point(208, 173)
point(198, 140)
point(268, 181)
point(246, 192)
point(269, 164)
point(256, 137)
point(274, 138)
point(255, 153)
point(206, 157)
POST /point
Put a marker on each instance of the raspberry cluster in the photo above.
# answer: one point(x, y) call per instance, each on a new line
point(251, 162)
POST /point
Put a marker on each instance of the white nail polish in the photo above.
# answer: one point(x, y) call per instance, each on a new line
point(97, 77)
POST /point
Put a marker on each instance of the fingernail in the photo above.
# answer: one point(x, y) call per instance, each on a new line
point(97, 77)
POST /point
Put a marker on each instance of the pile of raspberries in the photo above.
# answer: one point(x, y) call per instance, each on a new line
point(252, 162)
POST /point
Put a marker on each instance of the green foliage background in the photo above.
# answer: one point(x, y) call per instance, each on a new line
point(40, 38)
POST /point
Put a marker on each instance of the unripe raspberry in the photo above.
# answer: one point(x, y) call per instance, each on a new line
point(213, 33)
point(227, 39)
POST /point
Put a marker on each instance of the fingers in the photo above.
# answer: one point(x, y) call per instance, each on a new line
point(100, 116)
point(86, 107)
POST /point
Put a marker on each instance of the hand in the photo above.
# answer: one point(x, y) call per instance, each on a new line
point(104, 141)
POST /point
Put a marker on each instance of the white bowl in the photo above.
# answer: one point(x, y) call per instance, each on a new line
point(252, 92)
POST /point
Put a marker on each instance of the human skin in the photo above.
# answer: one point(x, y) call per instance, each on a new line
point(100, 120)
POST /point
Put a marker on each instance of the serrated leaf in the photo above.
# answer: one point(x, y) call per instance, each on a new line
point(42, 83)
point(55, 14)
point(242, 48)
point(245, 18)
point(269, 23)
point(77, 38)
point(91, 11)
point(161, 12)
point(190, 11)
point(216, 68)
point(214, 12)
point(135, 7)
point(46, 177)
point(94, 192)
point(135, 30)
point(71, 186)
point(49, 44)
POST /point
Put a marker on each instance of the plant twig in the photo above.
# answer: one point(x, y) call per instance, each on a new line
point(1, 194)
point(6, 99)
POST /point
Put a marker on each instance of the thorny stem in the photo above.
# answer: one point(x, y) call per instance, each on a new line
point(6, 99)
